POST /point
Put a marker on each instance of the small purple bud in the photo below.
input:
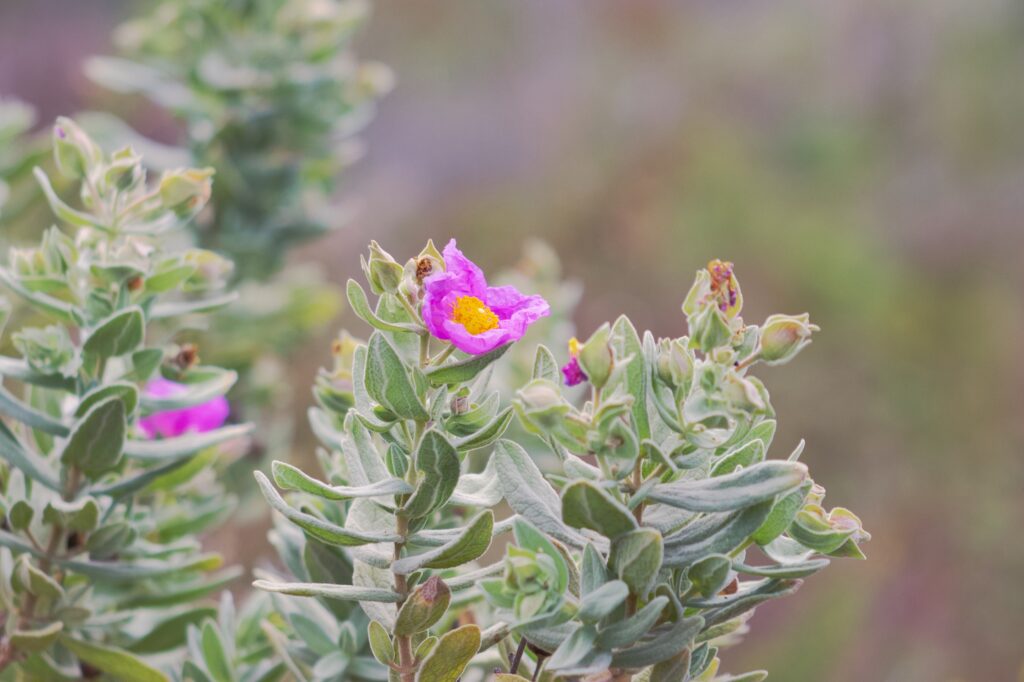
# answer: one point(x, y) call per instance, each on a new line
point(573, 373)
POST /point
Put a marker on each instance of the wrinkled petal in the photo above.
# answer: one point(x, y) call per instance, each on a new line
point(171, 423)
point(573, 373)
point(462, 277)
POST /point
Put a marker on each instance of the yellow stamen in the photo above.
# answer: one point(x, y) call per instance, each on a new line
point(474, 315)
point(574, 347)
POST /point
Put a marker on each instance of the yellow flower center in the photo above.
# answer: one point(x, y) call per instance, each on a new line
point(474, 315)
point(574, 347)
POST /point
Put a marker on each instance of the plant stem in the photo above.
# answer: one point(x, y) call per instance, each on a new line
point(404, 642)
point(514, 667)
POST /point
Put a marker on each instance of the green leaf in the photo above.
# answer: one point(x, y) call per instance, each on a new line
point(661, 648)
point(626, 343)
point(118, 334)
point(20, 515)
point(626, 632)
point(492, 431)
point(782, 514)
point(470, 544)
point(740, 603)
point(214, 656)
point(603, 601)
point(438, 465)
point(462, 371)
point(116, 662)
point(387, 380)
point(584, 505)
point(322, 530)
point(61, 209)
point(40, 639)
point(714, 534)
point(170, 632)
point(14, 408)
point(524, 488)
point(329, 591)
point(529, 537)
point(545, 366)
point(127, 392)
point(577, 656)
point(451, 655)
point(738, 490)
point(425, 606)
point(361, 307)
point(18, 368)
point(636, 558)
point(800, 570)
point(182, 446)
point(28, 462)
point(52, 306)
point(97, 441)
point(380, 643)
point(710, 574)
point(672, 669)
point(162, 311)
point(593, 573)
point(288, 477)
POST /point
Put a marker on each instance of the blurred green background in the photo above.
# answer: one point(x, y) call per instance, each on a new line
point(859, 159)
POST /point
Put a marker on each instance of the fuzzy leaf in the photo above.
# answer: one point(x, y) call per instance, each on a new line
point(30, 416)
point(450, 655)
point(116, 662)
point(322, 530)
point(636, 558)
point(118, 334)
point(97, 441)
point(738, 490)
point(289, 477)
point(438, 464)
point(462, 371)
point(470, 544)
point(329, 591)
point(584, 505)
point(387, 380)
point(524, 488)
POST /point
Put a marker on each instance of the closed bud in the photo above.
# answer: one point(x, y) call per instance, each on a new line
point(382, 271)
point(74, 151)
point(424, 607)
point(540, 406)
point(596, 357)
point(186, 191)
point(124, 170)
point(783, 336)
point(212, 270)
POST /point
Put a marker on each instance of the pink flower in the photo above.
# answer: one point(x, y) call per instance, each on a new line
point(458, 306)
point(171, 423)
point(571, 371)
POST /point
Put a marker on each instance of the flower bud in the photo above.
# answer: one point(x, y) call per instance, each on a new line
point(124, 170)
point(596, 357)
point(212, 270)
point(428, 262)
point(343, 351)
point(424, 607)
point(540, 406)
point(186, 191)
point(382, 271)
point(74, 151)
point(783, 336)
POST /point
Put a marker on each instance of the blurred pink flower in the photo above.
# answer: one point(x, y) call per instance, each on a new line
point(171, 423)
point(571, 371)
point(458, 306)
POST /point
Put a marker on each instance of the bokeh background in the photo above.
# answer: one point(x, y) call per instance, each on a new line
point(859, 159)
